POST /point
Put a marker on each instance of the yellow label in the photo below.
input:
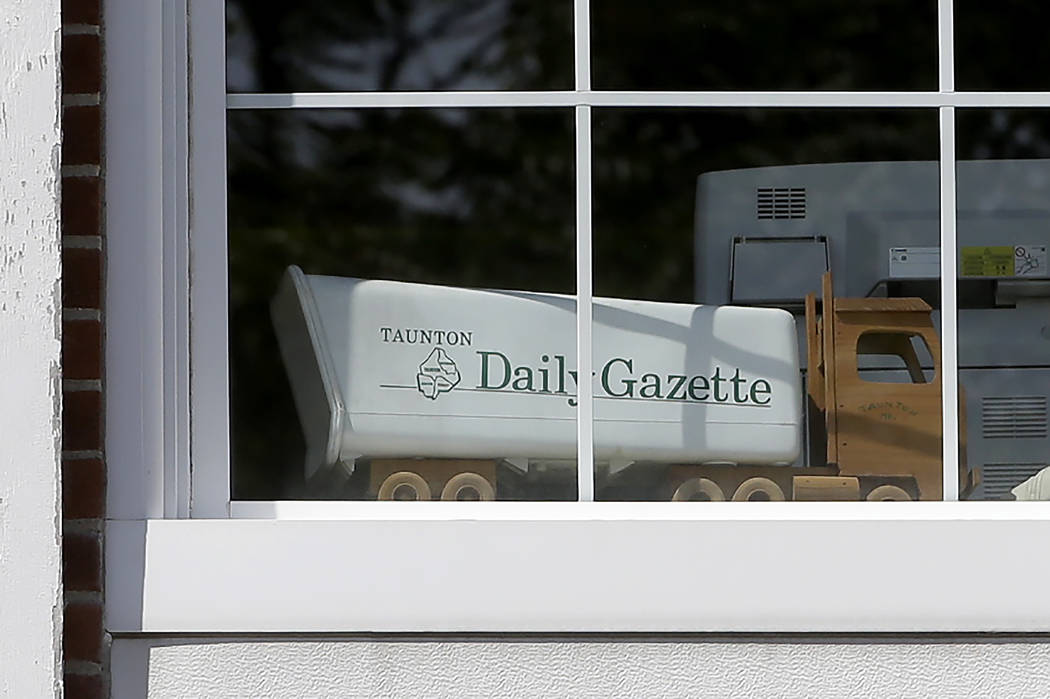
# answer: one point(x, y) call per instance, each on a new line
point(987, 261)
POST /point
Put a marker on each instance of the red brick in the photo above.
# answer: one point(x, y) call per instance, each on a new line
point(81, 420)
point(81, 278)
point(81, 205)
point(81, 11)
point(83, 489)
point(81, 136)
point(83, 687)
point(81, 64)
point(82, 632)
point(81, 349)
point(81, 562)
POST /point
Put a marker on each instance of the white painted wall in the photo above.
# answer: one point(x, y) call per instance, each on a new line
point(30, 324)
point(510, 667)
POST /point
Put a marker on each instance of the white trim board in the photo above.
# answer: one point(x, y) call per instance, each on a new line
point(803, 574)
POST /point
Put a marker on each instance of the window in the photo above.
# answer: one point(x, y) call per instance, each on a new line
point(622, 215)
point(425, 333)
point(427, 207)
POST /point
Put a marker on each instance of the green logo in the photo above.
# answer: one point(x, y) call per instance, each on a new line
point(437, 374)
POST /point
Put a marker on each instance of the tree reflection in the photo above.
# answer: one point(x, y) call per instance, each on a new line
point(316, 45)
point(1001, 45)
point(761, 45)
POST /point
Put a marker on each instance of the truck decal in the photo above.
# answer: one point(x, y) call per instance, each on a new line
point(438, 374)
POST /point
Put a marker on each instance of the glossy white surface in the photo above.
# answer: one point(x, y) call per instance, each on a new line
point(731, 568)
point(384, 368)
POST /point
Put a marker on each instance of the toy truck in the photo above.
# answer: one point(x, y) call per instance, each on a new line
point(436, 388)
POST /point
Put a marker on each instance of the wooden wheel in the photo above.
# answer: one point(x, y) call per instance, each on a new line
point(759, 488)
point(404, 485)
point(698, 489)
point(468, 486)
point(885, 493)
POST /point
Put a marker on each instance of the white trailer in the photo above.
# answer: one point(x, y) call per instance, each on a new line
point(394, 370)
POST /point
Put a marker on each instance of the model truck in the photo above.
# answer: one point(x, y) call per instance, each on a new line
point(435, 388)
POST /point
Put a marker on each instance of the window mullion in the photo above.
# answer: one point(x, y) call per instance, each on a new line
point(946, 45)
point(584, 315)
point(584, 268)
point(949, 315)
point(582, 43)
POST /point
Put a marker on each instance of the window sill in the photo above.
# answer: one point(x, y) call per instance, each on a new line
point(571, 567)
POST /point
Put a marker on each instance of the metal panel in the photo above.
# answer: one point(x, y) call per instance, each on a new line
point(759, 275)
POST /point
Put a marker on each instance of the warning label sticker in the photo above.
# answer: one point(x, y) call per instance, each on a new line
point(1004, 261)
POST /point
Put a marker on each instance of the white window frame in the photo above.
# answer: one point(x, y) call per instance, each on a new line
point(183, 558)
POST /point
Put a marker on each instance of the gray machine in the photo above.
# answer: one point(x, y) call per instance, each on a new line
point(764, 236)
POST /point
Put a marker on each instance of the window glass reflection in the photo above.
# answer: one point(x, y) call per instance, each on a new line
point(398, 247)
point(1003, 227)
point(318, 45)
point(1001, 45)
point(752, 45)
point(783, 267)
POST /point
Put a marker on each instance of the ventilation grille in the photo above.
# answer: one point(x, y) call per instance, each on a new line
point(1013, 417)
point(781, 202)
point(999, 479)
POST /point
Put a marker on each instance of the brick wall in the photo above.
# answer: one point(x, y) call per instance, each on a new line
point(83, 456)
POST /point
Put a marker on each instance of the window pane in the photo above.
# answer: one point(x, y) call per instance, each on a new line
point(1001, 45)
point(1004, 299)
point(392, 388)
point(316, 45)
point(712, 229)
point(798, 45)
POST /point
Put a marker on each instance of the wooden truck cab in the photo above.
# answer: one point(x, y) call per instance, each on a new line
point(887, 435)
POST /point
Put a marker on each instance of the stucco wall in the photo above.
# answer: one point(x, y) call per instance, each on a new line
point(30, 597)
point(768, 667)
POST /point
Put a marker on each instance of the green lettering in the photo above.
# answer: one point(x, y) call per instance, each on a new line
point(485, 370)
point(575, 382)
point(628, 383)
point(650, 389)
point(696, 384)
point(523, 378)
point(760, 387)
point(736, 380)
point(717, 380)
point(676, 381)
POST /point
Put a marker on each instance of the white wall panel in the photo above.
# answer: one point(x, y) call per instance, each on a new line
point(523, 667)
point(30, 373)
